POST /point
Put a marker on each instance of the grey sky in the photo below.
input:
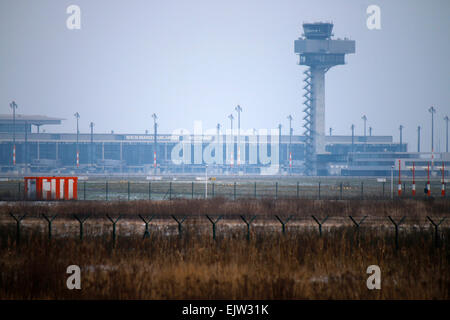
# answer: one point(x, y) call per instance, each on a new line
point(196, 60)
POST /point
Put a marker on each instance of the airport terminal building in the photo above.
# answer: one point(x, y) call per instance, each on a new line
point(37, 151)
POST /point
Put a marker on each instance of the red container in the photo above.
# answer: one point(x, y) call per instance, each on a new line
point(51, 188)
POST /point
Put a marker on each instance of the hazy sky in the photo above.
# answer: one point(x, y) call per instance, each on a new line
point(196, 60)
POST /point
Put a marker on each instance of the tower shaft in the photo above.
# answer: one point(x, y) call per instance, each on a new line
point(318, 109)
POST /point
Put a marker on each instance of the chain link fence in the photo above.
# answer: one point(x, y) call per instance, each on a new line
point(324, 189)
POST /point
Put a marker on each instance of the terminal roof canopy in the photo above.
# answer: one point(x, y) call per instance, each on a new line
point(24, 122)
point(37, 120)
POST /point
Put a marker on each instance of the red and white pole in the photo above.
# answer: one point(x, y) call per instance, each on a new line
point(443, 180)
point(232, 159)
point(428, 180)
point(290, 159)
point(154, 159)
point(399, 178)
point(14, 155)
point(78, 159)
point(414, 180)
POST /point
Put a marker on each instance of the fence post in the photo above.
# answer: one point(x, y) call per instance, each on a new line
point(213, 192)
point(114, 228)
point(297, 190)
point(320, 223)
point(170, 190)
point(214, 225)
point(146, 221)
point(436, 232)
point(49, 221)
point(20, 192)
point(81, 221)
point(383, 189)
point(254, 191)
point(128, 190)
point(283, 223)
point(84, 190)
point(18, 221)
point(396, 225)
point(248, 225)
point(340, 197)
point(357, 225)
point(192, 190)
point(234, 191)
point(180, 222)
point(106, 190)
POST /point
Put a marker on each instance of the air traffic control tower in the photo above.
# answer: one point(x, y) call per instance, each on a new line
point(318, 51)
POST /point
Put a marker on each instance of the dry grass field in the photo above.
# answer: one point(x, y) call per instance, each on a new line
point(299, 264)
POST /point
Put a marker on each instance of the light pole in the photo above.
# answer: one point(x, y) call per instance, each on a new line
point(418, 138)
point(232, 139)
point(331, 131)
point(432, 110)
point(353, 136)
point(77, 116)
point(279, 145)
point(289, 117)
point(91, 125)
point(26, 146)
point(155, 126)
point(13, 106)
point(206, 181)
point(446, 133)
point(218, 131)
point(365, 138)
point(365, 120)
point(231, 119)
point(239, 110)
point(401, 137)
point(392, 182)
point(370, 131)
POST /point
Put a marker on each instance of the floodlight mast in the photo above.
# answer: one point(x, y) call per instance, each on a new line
point(77, 116)
point(418, 138)
point(91, 125)
point(232, 139)
point(446, 133)
point(353, 137)
point(155, 143)
point(364, 118)
point(401, 137)
point(13, 106)
point(319, 52)
point(231, 119)
point(239, 110)
point(432, 110)
point(289, 117)
point(218, 132)
point(279, 144)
